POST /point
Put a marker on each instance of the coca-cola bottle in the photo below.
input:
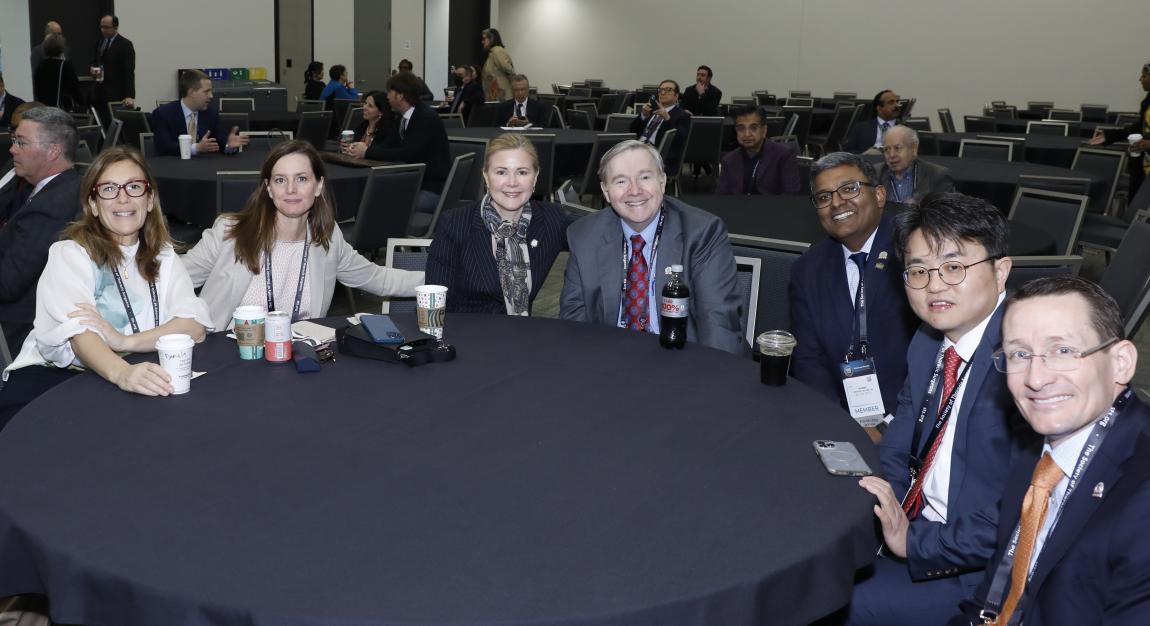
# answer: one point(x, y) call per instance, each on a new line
point(673, 310)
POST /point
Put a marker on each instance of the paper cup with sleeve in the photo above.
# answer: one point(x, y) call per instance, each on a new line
point(431, 308)
point(249, 328)
point(175, 353)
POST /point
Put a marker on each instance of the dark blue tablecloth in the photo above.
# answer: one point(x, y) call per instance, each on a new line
point(556, 473)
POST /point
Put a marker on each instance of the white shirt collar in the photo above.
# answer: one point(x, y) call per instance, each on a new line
point(408, 113)
point(865, 248)
point(1066, 454)
point(187, 111)
point(40, 185)
point(968, 343)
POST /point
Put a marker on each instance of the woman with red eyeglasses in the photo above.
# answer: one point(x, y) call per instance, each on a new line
point(113, 284)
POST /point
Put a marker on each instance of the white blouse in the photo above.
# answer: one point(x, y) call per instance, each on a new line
point(287, 256)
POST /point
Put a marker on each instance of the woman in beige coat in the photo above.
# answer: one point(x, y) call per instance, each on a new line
point(498, 69)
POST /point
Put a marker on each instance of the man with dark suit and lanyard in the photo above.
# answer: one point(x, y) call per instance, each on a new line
point(521, 109)
point(866, 135)
point(947, 450)
point(653, 122)
point(1071, 542)
point(846, 294)
point(114, 66)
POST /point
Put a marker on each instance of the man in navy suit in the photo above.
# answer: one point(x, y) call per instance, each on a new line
point(757, 166)
point(825, 286)
point(1081, 556)
point(192, 115)
point(867, 134)
point(653, 122)
point(520, 110)
point(946, 453)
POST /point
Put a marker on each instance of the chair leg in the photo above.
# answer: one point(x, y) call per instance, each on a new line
point(350, 298)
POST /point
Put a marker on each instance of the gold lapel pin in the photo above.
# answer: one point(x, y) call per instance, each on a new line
point(1098, 489)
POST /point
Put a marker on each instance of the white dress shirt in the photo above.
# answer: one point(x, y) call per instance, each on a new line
point(1065, 457)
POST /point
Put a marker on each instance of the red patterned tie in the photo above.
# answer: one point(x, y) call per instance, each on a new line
point(912, 505)
point(636, 296)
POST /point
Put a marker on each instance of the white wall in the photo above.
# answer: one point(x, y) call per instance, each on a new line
point(947, 54)
point(334, 40)
point(436, 32)
point(15, 48)
point(244, 38)
point(407, 33)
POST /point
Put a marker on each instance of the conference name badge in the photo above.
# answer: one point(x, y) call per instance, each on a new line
point(863, 394)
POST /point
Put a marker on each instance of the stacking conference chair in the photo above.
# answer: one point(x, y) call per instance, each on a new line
point(1107, 165)
point(705, 142)
point(799, 94)
point(353, 118)
point(147, 145)
point(625, 102)
point(339, 107)
point(1024, 269)
point(1004, 112)
point(917, 123)
point(906, 106)
point(776, 125)
point(115, 133)
point(946, 121)
point(266, 139)
point(928, 144)
point(618, 123)
point(1094, 112)
point(579, 91)
point(1062, 184)
point(1057, 214)
point(92, 133)
point(1060, 129)
point(603, 142)
point(1019, 143)
point(976, 124)
point(545, 148)
point(845, 95)
point(775, 258)
point(576, 210)
point(607, 104)
point(1043, 106)
point(485, 116)
point(473, 188)
point(405, 254)
point(386, 207)
point(452, 120)
point(748, 272)
point(1105, 232)
point(134, 123)
point(984, 149)
point(1064, 115)
point(5, 355)
point(844, 118)
point(555, 120)
point(1124, 120)
point(1127, 278)
point(799, 102)
point(743, 101)
point(83, 152)
point(423, 224)
point(235, 120)
point(233, 188)
point(665, 143)
point(802, 127)
point(591, 110)
point(310, 105)
point(566, 193)
point(314, 127)
point(237, 105)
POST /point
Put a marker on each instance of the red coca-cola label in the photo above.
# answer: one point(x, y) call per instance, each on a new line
point(673, 307)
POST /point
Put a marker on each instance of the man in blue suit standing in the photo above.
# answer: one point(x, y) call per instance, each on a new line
point(846, 292)
point(192, 115)
point(1079, 500)
point(946, 454)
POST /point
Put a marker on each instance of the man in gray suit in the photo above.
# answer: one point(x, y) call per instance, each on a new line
point(908, 180)
point(633, 244)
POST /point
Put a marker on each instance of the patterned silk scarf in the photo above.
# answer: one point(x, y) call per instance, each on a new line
point(511, 255)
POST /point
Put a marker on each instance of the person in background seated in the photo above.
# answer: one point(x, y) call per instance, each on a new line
point(757, 166)
point(193, 115)
point(866, 135)
point(284, 250)
point(521, 109)
point(313, 77)
point(378, 119)
point(703, 97)
point(494, 255)
point(406, 66)
point(112, 284)
point(469, 96)
point(655, 119)
point(906, 178)
point(8, 104)
point(339, 87)
point(654, 232)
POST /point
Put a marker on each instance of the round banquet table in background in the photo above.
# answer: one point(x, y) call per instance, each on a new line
point(273, 120)
point(1041, 149)
point(188, 188)
point(556, 473)
point(572, 146)
point(793, 218)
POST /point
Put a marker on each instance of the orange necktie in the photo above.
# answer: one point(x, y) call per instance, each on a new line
point(1046, 476)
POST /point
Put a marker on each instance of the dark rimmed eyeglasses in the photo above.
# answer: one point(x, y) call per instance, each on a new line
point(1057, 359)
point(110, 191)
point(951, 273)
point(846, 191)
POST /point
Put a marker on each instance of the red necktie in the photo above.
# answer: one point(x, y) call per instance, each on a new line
point(636, 296)
point(913, 503)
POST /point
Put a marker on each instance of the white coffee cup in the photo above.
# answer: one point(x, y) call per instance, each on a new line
point(1133, 139)
point(175, 352)
point(185, 146)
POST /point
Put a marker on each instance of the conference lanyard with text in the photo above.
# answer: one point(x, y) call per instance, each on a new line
point(128, 303)
point(915, 462)
point(650, 267)
point(861, 388)
point(860, 320)
point(299, 286)
point(996, 594)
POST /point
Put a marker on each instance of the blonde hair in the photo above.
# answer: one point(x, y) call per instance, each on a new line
point(511, 141)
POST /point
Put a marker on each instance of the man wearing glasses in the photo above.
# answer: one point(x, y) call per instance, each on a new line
point(1079, 501)
point(846, 293)
point(42, 149)
point(658, 117)
point(757, 166)
point(945, 456)
point(907, 179)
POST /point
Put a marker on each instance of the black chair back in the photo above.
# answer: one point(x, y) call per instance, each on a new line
point(234, 188)
point(1094, 112)
point(1105, 164)
point(135, 122)
point(473, 187)
point(983, 149)
point(310, 105)
point(603, 143)
point(1127, 278)
point(917, 123)
point(1064, 115)
point(928, 144)
point(339, 107)
point(386, 207)
point(237, 105)
point(580, 119)
point(545, 148)
point(1057, 214)
point(314, 127)
point(803, 128)
point(484, 116)
point(946, 120)
point(423, 224)
point(93, 134)
point(83, 152)
point(776, 258)
point(1024, 269)
point(976, 124)
point(1059, 129)
point(353, 118)
point(229, 121)
point(705, 143)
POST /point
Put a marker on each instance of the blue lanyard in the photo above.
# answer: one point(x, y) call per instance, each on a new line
point(299, 286)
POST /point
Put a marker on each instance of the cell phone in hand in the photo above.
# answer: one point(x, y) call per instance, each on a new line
point(841, 458)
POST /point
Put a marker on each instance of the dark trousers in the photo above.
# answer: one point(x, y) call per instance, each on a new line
point(25, 385)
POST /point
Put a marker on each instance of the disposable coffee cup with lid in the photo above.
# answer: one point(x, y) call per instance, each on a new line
point(175, 354)
point(1132, 139)
point(185, 146)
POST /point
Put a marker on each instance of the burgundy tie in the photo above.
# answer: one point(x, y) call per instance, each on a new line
point(912, 505)
point(636, 296)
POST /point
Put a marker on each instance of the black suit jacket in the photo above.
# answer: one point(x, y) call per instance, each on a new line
point(119, 63)
point(52, 73)
point(424, 141)
point(11, 101)
point(862, 135)
point(535, 112)
point(461, 257)
point(25, 237)
point(1092, 567)
point(680, 120)
point(706, 104)
point(467, 101)
point(313, 89)
point(168, 124)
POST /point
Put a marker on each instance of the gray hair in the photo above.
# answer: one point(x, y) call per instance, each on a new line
point(519, 77)
point(54, 45)
point(840, 159)
point(56, 127)
point(627, 146)
point(911, 134)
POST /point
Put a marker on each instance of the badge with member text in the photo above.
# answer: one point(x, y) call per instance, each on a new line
point(864, 397)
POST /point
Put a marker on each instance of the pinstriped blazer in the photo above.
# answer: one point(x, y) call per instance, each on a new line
point(462, 259)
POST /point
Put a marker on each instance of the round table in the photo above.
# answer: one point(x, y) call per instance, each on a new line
point(274, 120)
point(793, 218)
point(1079, 129)
point(1041, 149)
point(572, 146)
point(188, 188)
point(556, 473)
